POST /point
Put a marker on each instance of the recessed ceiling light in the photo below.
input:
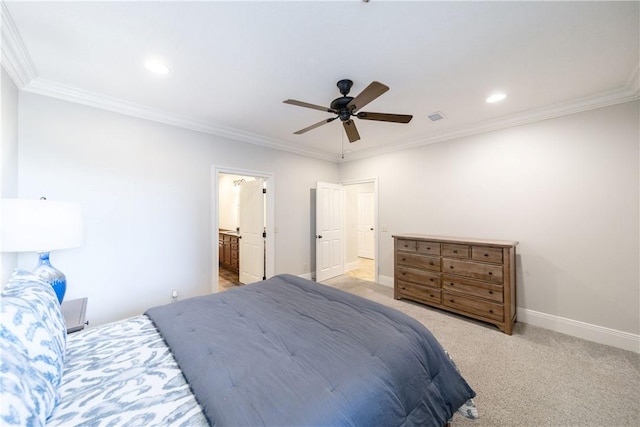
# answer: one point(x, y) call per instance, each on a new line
point(496, 97)
point(156, 67)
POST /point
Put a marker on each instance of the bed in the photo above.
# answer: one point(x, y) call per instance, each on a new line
point(286, 351)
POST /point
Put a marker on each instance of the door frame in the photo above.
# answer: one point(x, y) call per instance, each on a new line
point(376, 234)
point(269, 178)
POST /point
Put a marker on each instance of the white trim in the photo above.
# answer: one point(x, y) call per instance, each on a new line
point(385, 281)
point(307, 276)
point(55, 90)
point(575, 328)
point(595, 333)
point(79, 96)
point(604, 99)
point(271, 192)
point(15, 56)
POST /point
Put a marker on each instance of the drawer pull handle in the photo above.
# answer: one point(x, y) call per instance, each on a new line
point(455, 251)
point(404, 259)
point(431, 280)
point(451, 267)
point(451, 300)
point(428, 248)
point(404, 273)
point(491, 292)
point(490, 311)
point(431, 295)
point(451, 284)
point(490, 273)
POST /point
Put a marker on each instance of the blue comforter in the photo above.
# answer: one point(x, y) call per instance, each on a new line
point(291, 352)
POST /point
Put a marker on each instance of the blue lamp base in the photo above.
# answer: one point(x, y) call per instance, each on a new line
point(51, 275)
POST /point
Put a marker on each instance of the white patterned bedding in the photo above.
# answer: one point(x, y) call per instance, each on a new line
point(123, 374)
point(120, 374)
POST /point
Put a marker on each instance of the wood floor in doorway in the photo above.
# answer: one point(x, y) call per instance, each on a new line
point(364, 270)
point(227, 279)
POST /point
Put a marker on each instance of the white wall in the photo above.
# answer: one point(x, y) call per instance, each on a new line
point(146, 189)
point(8, 159)
point(567, 189)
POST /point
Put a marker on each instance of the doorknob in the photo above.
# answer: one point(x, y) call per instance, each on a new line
point(371, 228)
point(319, 237)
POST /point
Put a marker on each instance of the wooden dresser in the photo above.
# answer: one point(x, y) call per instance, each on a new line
point(472, 277)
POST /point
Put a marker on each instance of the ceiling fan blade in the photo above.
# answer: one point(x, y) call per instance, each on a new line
point(323, 122)
point(371, 92)
point(382, 117)
point(352, 132)
point(307, 105)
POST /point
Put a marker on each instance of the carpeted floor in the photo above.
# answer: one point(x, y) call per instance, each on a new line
point(535, 377)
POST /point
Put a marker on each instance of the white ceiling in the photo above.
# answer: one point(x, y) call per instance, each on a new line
point(233, 63)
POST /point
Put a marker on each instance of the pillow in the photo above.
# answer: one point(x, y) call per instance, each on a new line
point(27, 398)
point(32, 344)
point(41, 296)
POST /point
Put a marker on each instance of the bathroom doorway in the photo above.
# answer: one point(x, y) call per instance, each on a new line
point(242, 227)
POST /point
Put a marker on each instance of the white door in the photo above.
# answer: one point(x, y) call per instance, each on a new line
point(365, 225)
point(329, 231)
point(251, 223)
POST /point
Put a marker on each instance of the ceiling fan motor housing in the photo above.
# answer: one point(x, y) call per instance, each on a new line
point(340, 106)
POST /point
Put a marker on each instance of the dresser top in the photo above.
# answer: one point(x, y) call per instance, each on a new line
point(463, 240)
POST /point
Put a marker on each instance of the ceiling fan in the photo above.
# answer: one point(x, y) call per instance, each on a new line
point(347, 106)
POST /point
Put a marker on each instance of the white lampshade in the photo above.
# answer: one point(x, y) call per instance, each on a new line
point(39, 225)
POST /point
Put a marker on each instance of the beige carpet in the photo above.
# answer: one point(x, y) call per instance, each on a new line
point(535, 377)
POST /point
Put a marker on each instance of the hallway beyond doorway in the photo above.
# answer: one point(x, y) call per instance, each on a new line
point(365, 270)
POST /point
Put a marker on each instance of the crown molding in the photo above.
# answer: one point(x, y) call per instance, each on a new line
point(629, 93)
point(15, 57)
point(43, 87)
point(40, 86)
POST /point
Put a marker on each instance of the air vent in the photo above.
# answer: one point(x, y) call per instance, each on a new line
point(434, 117)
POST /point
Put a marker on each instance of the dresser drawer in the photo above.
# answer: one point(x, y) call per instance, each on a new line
point(455, 251)
point(429, 248)
point(422, 277)
point(489, 272)
point(407, 245)
point(474, 288)
point(487, 254)
point(419, 293)
point(476, 306)
point(419, 261)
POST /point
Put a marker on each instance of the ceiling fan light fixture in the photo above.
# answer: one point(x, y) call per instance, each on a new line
point(156, 66)
point(496, 97)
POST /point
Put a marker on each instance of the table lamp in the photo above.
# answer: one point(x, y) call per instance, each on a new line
point(41, 226)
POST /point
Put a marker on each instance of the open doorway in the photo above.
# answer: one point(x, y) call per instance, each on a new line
point(242, 227)
point(360, 229)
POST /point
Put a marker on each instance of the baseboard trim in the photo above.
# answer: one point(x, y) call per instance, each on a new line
point(587, 331)
point(575, 328)
point(308, 276)
point(385, 281)
point(351, 266)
